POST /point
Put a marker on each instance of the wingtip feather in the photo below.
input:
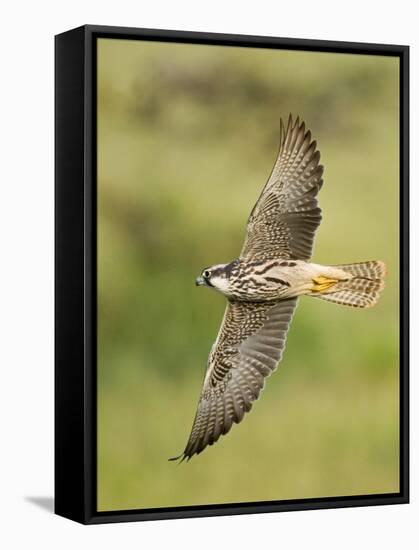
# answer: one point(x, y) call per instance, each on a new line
point(180, 457)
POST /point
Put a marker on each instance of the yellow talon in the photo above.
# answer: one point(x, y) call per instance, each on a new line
point(322, 283)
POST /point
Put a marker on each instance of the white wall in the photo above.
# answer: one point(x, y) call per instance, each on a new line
point(26, 248)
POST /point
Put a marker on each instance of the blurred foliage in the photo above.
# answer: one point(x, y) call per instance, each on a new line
point(187, 136)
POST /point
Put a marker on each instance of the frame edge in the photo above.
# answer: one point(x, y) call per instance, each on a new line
point(75, 255)
point(70, 481)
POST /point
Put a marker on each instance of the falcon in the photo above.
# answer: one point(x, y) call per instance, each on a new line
point(263, 284)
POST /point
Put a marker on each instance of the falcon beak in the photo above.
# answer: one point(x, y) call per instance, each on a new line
point(199, 281)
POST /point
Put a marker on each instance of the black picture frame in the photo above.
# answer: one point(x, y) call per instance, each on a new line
point(75, 273)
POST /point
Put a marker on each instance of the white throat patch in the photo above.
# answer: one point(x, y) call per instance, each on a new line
point(220, 283)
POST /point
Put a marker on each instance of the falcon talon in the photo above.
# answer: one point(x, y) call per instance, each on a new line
point(323, 283)
point(264, 283)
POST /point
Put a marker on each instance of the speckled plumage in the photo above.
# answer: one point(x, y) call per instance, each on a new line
point(263, 285)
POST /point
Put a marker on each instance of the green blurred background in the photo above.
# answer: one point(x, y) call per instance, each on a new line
point(187, 136)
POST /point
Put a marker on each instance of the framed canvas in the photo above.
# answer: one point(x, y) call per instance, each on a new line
point(194, 174)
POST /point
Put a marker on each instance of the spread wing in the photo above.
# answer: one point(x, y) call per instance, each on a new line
point(285, 218)
point(248, 348)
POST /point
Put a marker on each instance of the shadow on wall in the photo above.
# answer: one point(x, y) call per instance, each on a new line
point(46, 503)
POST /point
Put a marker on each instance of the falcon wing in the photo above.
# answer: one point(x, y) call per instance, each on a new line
point(248, 348)
point(286, 216)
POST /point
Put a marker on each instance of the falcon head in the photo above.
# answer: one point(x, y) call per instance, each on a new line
point(217, 277)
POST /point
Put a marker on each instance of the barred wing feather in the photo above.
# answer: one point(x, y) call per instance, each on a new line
point(285, 218)
point(248, 348)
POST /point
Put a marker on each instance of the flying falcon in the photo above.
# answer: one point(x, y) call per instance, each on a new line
point(262, 287)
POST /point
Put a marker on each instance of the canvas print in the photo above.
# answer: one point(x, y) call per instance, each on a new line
point(248, 240)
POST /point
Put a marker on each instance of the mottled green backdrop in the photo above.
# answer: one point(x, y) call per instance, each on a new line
point(187, 136)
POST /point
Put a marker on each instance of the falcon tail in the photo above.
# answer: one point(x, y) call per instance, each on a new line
point(362, 290)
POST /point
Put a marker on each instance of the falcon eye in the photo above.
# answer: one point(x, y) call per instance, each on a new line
point(206, 274)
